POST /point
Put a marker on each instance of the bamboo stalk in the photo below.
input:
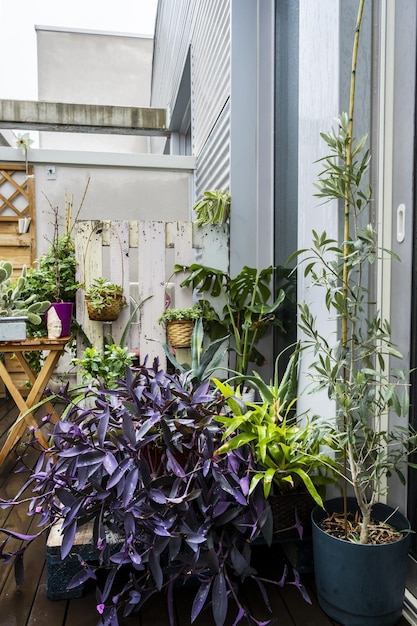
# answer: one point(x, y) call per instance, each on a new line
point(347, 205)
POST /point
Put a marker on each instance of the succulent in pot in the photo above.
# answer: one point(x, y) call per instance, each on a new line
point(180, 324)
point(141, 462)
point(14, 305)
point(104, 300)
point(11, 302)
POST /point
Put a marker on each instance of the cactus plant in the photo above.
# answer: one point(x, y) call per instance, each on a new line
point(11, 304)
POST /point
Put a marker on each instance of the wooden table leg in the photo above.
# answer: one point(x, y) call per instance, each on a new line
point(32, 378)
point(25, 417)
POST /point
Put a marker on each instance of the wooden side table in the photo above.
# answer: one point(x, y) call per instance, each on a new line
point(54, 348)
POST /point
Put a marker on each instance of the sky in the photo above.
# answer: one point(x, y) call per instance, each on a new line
point(18, 77)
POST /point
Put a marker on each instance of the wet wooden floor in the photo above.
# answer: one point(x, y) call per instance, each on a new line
point(29, 605)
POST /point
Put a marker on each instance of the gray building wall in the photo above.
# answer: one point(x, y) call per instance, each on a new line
point(92, 67)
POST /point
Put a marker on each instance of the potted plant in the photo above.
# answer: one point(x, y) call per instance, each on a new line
point(141, 463)
point(15, 309)
point(291, 455)
point(247, 311)
point(180, 324)
point(205, 360)
point(212, 208)
point(54, 273)
point(104, 300)
point(352, 565)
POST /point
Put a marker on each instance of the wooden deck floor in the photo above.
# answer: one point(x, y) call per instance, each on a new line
point(29, 605)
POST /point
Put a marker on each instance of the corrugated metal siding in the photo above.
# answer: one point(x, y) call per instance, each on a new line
point(213, 164)
point(205, 26)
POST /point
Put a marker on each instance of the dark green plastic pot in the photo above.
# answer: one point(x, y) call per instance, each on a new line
point(360, 585)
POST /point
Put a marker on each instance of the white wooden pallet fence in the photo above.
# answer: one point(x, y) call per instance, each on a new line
point(141, 256)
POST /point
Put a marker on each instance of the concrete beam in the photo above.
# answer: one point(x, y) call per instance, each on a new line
point(82, 118)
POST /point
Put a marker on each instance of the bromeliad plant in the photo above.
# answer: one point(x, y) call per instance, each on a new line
point(141, 463)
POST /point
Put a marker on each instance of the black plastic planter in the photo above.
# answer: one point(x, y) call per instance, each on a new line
point(360, 585)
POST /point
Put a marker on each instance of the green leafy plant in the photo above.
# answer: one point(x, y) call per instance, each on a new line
point(247, 308)
point(212, 208)
point(13, 302)
point(138, 462)
point(54, 273)
point(174, 315)
point(356, 371)
point(107, 365)
point(58, 260)
point(102, 292)
point(289, 455)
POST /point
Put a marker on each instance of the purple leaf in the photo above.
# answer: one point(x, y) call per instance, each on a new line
point(219, 599)
point(157, 496)
point(108, 585)
point(109, 463)
point(118, 473)
point(131, 483)
point(81, 577)
point(156, 570)
point(239, 616)
point(129, 430)
point(170, 603)
point(68, 539)
point(12, 533)
point(174, 466)
point(200, 599)
point(102, 426)
point(297, 583)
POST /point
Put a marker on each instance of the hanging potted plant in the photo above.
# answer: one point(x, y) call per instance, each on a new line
point(180, 325)
point(360, 545)
point(104, 300)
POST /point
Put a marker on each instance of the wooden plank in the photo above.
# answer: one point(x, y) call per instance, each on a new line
point(11, 240)
point(46, 612)
point(89, 257)
point(120, 271)
point(152, 279)
point(181, 235)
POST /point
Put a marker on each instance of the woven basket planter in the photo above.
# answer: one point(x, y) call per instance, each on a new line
point(179, 333)
point(284, 507)
point(108, 313)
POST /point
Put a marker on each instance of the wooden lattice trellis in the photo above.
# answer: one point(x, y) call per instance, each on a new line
point(17, 201)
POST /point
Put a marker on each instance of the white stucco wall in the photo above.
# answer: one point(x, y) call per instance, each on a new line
point(122, 187)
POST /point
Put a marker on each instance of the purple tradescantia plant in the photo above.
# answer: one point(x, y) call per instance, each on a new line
point(139, 463)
